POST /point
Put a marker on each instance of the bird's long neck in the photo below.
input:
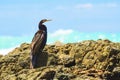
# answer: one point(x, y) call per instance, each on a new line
point(42, 27)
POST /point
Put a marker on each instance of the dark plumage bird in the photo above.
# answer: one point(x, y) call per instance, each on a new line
point(38, 43)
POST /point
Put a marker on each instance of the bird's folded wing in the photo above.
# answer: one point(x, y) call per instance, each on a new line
point(37, 40)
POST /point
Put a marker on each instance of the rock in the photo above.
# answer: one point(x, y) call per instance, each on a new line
point(70, 62)
point(1, 56)
point(58, 43)
point(86, 60)
point(48, 74)
point(63, 77)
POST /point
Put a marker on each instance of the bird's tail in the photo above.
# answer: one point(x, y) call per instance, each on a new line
point(33, 58)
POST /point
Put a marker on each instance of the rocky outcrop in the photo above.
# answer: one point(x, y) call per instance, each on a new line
point(1, 56)
point(92, 60)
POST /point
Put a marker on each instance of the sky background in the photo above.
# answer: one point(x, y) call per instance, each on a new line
point(21, 17)
point(72, 21)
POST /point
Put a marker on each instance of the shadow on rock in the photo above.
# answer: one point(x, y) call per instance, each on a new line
point(42, 59)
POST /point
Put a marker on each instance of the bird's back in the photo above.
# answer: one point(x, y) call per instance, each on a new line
point(37, 42)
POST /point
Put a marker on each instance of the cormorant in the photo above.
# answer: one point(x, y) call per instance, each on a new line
point(38, 43)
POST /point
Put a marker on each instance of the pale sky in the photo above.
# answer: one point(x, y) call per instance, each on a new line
point(21, 17)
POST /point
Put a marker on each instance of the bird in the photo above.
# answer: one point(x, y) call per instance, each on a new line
point(38, 43)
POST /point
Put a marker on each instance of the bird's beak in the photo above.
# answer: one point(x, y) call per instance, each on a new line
point(49, 20)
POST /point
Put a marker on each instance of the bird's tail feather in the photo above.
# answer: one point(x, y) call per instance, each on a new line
point(33, 59)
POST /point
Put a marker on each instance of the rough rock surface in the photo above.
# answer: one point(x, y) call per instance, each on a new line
point(87, 60)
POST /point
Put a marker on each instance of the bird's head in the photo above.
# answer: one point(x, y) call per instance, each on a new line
point(44, 20)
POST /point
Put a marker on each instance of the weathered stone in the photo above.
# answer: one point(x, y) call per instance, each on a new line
point(90, 60)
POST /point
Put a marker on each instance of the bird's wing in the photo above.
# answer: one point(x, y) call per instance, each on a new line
point(37, 39)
